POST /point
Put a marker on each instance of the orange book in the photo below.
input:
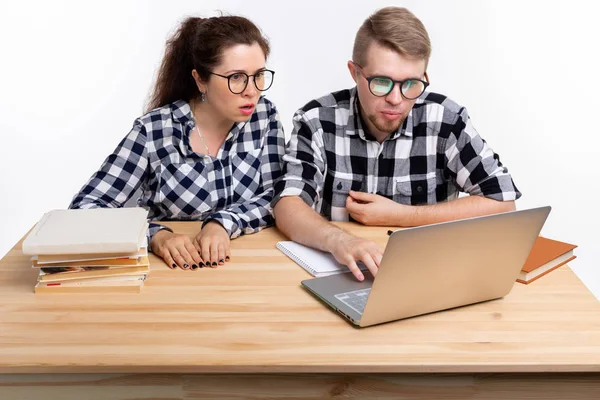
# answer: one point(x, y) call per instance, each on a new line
point(113, 263)
point(64, 258)
point(545, 256)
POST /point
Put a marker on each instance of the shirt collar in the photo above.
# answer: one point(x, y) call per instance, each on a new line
point(182, 112)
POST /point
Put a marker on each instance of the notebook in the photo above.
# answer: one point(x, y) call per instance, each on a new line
point(545, 256)
point(316, 262)
point(96, 230)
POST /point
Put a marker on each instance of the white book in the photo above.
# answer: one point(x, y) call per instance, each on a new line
point(88, 231)
point(316, 262)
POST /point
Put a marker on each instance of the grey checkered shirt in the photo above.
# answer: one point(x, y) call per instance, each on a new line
point(433, 156)
point(235, 188)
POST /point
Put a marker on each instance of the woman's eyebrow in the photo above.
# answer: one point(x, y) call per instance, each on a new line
point(234, 71)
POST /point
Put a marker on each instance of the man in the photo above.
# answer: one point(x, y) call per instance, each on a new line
point(385, 152)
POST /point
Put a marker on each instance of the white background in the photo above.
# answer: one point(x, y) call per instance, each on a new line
point(75, 75)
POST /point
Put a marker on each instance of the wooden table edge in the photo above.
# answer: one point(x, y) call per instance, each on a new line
point(304, 369)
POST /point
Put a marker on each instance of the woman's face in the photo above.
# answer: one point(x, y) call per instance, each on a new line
point(236, 61)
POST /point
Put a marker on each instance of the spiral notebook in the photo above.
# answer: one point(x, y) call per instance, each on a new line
point(316, 262)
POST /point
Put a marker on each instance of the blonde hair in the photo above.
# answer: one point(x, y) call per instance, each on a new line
point(395, 28)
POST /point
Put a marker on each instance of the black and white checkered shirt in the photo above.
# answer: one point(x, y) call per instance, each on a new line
point(235, 188)
point(431, 158)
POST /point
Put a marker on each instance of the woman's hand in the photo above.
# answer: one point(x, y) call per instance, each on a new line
point(213, 244)
point(176, 250)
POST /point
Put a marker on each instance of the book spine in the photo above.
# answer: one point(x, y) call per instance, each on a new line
point(81, 248)
point(68, 275)
point(87, 289)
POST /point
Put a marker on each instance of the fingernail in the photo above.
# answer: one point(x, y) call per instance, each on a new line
point(174, 266)
point(221, 261)
point(361, 277)
point(227, 258)
point(201, 265)
point(214, 264)
point(185, 266)
point(194, 266)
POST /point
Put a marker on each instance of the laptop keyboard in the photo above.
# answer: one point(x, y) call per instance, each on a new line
point(356, 300)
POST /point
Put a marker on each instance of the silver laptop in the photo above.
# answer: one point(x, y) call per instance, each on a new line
point(437, 267)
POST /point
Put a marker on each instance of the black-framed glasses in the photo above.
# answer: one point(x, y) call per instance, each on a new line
point(238, 81)
point(382, 85)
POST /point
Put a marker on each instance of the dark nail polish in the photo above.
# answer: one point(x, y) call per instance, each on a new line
point(214, 264)
point(201, 265)
point(185, 266)
point(221, 261)
point(194, 266)
point(227, 258)
point(174, 265)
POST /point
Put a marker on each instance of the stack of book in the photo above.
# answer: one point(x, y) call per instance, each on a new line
point(90, 251)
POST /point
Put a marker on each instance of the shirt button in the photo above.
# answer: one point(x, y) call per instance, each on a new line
point(419, 188)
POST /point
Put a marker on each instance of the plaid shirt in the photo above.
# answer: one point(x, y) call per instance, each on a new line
point(235, 188)
point(435, 154)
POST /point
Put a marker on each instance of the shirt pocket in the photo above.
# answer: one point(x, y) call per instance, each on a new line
point(185, 190)
point(245, 174)
point(339, 194)
point(415, 192)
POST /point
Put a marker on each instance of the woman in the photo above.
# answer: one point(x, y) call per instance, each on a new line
point(209, 149)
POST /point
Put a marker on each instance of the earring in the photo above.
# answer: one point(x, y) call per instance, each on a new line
point(202, 97)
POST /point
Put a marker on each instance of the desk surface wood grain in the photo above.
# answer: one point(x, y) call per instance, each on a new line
point(253, 316)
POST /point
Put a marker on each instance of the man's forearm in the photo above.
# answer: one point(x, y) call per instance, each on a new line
point(302, 224)
point(465, 207)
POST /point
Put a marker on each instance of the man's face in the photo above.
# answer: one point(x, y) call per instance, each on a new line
point(384, 115)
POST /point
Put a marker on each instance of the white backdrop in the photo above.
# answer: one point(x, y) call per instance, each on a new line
point(75, 75)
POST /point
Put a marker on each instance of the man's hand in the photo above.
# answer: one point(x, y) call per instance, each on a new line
point(213, 244)
point(348, 249)
point(176, 250)
point(372, 209)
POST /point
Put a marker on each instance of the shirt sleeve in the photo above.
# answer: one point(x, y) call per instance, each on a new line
point(474, 166)
point(303, 163)
point(256, 213)
point(120, 175)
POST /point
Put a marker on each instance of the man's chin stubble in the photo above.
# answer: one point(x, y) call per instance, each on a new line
point(387, 128)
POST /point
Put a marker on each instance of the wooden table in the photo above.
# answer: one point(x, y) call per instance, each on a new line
point(249, 330)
